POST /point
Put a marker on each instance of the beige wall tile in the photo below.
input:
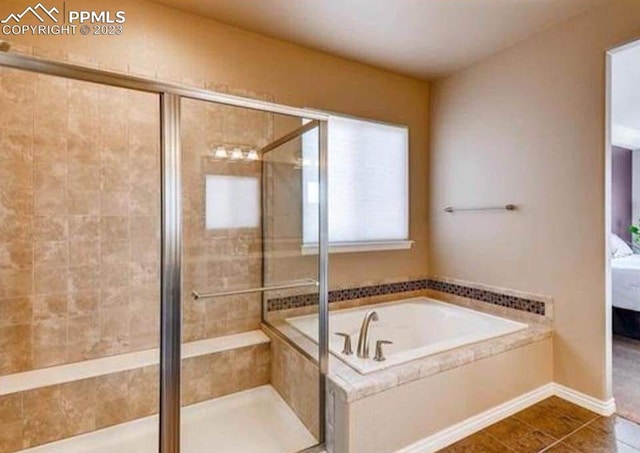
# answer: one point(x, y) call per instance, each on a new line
point(44, 418)
point(113, 275)
point(49, 280)
point(16, 255)
point(11, 421)
point(50, 306)
point(49, 175)
point(51, 228)
point(16, 176)
point(117, 297)
point(144, 201)
point(143, 273)
point(114, 331)
point(51, 202)
point(144, 389)
point(15, 145)
point(80, 403)
point(15, 348)
point(16, 227)
point(115, 203)
point(83, 333)
point(49, 146)
point(197, 385)
point(83, 177)
point(84, 278)
point(113, 228)
point(144, 249)
point(52, 254)
point(17, 86)
point(49, 345)
point(114, 177)
point(84, 253)
point(84, 227)
point(16, 310)
point(50, 104)
point(82, 302)
point(144, 316)
point(296, 379)
point(114, 402)
point(86, 202)
point(16, 283)
point(82, 148)
point(16, 99)
point(11, 437)
point(119, 251)
point(140, 226)
point(16, 201)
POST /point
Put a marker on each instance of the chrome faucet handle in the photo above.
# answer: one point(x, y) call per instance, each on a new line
point(346, 349)
point(379, 357)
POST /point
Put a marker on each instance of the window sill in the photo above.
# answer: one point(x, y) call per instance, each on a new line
point(356, 247)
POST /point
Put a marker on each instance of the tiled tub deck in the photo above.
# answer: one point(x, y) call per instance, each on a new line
point(488, 372)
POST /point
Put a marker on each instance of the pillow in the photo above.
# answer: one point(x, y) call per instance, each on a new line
point(619, 248)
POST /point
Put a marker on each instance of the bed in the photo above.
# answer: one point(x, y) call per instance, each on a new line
point(625, 287)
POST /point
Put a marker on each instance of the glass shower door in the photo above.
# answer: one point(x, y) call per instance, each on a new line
point(243, 389)
point(91, 261)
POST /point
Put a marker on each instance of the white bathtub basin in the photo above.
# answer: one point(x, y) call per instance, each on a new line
point(418, 327)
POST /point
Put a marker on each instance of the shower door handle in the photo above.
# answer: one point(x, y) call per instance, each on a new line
point(297, 284)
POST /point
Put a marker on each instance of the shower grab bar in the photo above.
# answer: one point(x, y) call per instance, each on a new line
point(508, 207)
point(298, 284)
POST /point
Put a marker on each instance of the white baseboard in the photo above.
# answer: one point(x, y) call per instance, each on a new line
point(604, 408)
point(478, 422)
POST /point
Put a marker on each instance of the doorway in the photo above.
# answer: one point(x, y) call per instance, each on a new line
point(623, 228)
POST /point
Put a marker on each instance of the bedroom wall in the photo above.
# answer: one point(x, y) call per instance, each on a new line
point(172, 45)
point(527, 126)
point(621, 191)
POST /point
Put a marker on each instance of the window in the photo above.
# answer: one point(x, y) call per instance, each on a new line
point(368, 186)
point(232, 202)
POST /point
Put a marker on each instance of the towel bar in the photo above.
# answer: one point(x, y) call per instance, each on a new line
point(508, 207)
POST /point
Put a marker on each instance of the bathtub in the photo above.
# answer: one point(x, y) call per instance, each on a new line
point(418, 327)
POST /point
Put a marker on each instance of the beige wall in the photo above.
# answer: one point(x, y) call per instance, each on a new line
point(527, 126)
point(180, 46)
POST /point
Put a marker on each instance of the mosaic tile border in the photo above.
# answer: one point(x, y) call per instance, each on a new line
point(504, 300)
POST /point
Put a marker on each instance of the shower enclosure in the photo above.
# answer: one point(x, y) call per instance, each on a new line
point(145, 229)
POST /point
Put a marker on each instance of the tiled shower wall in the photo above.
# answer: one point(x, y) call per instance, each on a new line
point(79, 229)
point(219, 259)
point(79, 209)
point(79, 242)
point(46, 414)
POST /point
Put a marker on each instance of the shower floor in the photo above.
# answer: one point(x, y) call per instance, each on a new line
point(253, 421)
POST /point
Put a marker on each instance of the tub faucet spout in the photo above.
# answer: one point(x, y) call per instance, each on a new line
point(363, 339)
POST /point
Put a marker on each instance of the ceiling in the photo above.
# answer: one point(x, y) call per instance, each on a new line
point(625, 98)
point(421, 38)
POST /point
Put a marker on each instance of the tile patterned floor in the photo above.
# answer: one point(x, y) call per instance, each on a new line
point(626, 377)
point(555, 426)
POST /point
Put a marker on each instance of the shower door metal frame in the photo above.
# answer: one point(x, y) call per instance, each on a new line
point(323, 265)
point(171, 218)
